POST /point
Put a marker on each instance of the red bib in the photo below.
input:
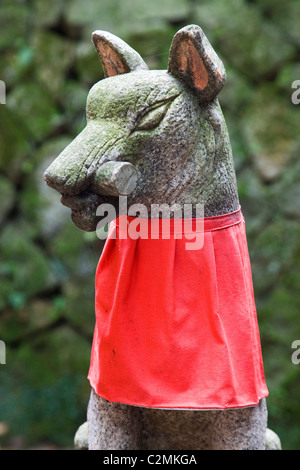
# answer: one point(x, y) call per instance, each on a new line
point(177, 327)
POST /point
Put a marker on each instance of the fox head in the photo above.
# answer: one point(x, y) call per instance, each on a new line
point(156, 136)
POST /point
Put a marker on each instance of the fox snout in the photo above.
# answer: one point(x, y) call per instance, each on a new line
point(93, 162)
point(104, 183)
point(85, 180)
point(113, 178)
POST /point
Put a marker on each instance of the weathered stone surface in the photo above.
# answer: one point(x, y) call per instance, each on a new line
point(272, 440)
point(170, 127)
point(149, 33)
point(117, 426)
point(115, 55)
point(81, 439)
point(188, 44)
point(116, 179)
point(184, 173)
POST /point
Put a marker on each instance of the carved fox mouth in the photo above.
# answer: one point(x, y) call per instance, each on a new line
point(84, 207)
point(81, 201)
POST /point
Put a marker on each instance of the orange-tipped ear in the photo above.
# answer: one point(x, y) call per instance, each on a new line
point(193, 60)
point(115, 55)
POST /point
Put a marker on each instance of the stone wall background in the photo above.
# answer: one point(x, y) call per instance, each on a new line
point(47, 265)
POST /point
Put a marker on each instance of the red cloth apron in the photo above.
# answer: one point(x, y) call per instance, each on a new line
point(177, 328)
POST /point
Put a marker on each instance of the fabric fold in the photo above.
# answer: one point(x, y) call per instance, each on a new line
point(177, 328)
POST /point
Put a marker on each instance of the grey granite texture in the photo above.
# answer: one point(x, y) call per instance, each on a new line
point(272, 440)
point(170, 127)
point(177, 141)
point(115, 426)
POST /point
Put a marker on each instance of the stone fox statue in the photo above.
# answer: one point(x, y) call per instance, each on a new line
point(176, 360)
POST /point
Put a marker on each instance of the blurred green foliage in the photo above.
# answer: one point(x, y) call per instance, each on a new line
point(47, 265)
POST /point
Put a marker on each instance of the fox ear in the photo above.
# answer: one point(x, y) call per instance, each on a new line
point(115, 55)
point(193, 60)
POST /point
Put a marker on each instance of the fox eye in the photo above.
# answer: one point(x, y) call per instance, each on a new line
point(151, 118)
